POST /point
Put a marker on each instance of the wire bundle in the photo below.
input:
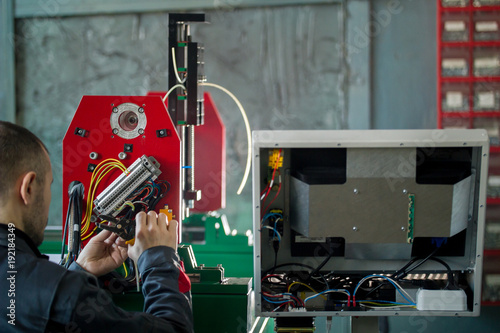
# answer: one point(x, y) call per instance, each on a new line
point(283, 298)
point(341, 291)
point(72, 225)
point(78, 229)
point(282, 292)
point(100, 171)
point(273, 219)
point(144, 198)
point(399, 289)
point(279, 287)
point(282, 284)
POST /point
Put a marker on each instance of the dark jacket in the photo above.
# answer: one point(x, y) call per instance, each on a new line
point(39, 296)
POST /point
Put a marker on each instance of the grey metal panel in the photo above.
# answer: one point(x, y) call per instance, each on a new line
point(461, 202)
point(37, 8)
point(374, 213)
point(299, 207)
point(7, 62)
point(381, 162)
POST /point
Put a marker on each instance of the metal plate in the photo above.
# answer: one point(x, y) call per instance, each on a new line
point(128, 120)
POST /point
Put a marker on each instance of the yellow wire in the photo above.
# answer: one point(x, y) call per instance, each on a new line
point(305, 285)
point(126, 203)
point(377, 304)
point(101, 170)
point(125, 269)
point(387, 304)
point(90, 234)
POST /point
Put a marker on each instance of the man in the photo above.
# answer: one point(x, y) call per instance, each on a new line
point(40, 296)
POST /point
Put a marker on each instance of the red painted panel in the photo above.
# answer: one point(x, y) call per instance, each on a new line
point(210, 160)
point(93, 116)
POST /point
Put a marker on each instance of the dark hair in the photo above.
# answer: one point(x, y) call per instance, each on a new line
point(20, 151)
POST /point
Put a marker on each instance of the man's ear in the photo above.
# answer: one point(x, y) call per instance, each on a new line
point(27, 189)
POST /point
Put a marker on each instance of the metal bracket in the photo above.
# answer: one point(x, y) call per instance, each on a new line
point(80, 132)
point(162, 133)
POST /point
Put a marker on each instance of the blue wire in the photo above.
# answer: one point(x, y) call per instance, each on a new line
point(276, 233)
point(384, 277)
point(276, 302)
point(268, 215)
point(278, 216)
point(325, 291)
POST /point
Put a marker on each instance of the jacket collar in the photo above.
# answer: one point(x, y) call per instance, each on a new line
point(22, 241)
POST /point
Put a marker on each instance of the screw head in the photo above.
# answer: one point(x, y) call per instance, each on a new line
point(115, 130)
point(355, 191)
point(354, 228)
point(141, 110)
point(115, 110)
point(405, 191)
point(141, 131)
point(403, 228)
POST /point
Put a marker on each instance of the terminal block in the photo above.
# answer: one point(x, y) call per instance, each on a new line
point(143, 169)
point(275, 158)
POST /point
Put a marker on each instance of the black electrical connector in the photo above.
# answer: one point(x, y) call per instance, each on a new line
point(73, 221)
point(314, 272)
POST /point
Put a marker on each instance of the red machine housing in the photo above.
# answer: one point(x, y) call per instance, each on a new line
point(210, 160)
point(90, 132)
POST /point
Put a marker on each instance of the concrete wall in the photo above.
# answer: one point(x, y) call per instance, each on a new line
point(284, 64)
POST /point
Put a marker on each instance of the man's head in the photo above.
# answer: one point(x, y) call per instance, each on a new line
point(25, 179)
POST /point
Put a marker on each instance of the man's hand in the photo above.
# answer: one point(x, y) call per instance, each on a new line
point(152, 230)
point(104, 253)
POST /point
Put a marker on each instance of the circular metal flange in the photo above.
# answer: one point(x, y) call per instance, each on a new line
point(128, 121)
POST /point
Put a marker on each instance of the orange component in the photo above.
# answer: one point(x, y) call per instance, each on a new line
point(167, 212)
